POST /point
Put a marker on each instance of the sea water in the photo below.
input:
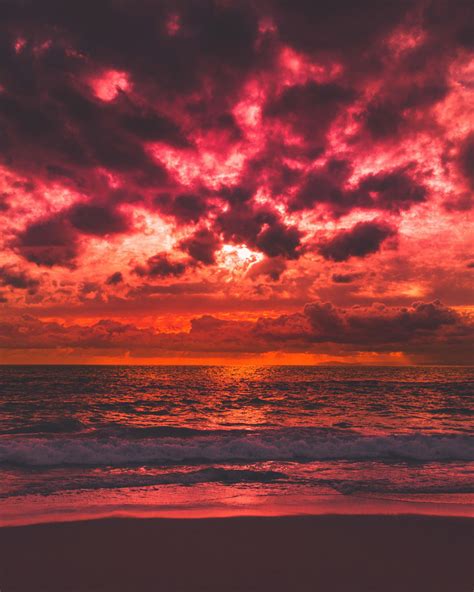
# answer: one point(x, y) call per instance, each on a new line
point(206, 440)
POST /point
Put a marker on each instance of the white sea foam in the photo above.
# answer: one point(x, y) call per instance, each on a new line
point(285, 444)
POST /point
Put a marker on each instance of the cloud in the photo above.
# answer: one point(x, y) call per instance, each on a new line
point(260, 228)
point(325, 186)
point(150, 126)
point(49, 242)
point(383, 119)
point(114, 279)
point(201, 246)
point(185, 207)
point(278, 239)
point(365, 238)
point(176, 289)
point(429, 330)
point(160, 266)
point(379, 324)
point(388, 116)
point(310, 108)
point(460, 203)
point(345, 278)
point(393, 191)
point(270, 127)
point(426, 327)
point(4, 205)
point(98, 220)
point(269, 267)
point(241, 223)
point(15, 278)
point(333, 27)
point(466, 159)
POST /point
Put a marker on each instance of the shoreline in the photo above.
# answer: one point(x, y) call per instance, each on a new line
point(240, 554)
point(221, 503)
point(17, 514)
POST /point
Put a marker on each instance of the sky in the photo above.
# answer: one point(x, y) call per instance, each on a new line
point(255, 182)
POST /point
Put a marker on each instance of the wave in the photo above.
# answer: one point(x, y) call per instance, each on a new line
point(348, 487)
point(111, 481)
point(289, 444)
point(453, 411)
point(64, 426)
point(283, 479)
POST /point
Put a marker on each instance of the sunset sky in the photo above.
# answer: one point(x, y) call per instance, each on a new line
point(281, 181)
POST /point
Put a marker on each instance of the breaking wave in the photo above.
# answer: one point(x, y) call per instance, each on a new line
point(172, 446)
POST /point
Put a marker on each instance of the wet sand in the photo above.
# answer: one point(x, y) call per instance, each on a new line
point(291, 554)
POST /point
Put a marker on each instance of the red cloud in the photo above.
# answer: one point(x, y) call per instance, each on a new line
point(423, 328)
point(363, 239)
point(225, 145)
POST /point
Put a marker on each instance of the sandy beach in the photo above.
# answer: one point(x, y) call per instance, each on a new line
point(305, 553)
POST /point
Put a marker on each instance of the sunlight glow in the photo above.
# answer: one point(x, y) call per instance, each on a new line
point(107, 86)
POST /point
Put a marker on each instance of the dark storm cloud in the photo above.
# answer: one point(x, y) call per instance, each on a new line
point(465, 36)
point(424, 95)
point(460, 203)
point(52, 124)
point(114, 279)
point(59, 172)
point(109, 135)
point(31, 121)
point(466, 159)
point(49, 242)
point(375, 328)
point(152, 127)
point(202, 246)
point(242, 223)
point(177, 289)
point(385, 116)
point(271, 268)
point(184, 82)
point(336, 26)
point(98, 220)
point(361, 240)
point(160, 266)
point(392, 191)
point(260, 228)
point(278, 239)
point(464, 201)
point(383, 119)
point(446, 24)
point(226, 122)
point(345, 278)
point(184, 207)
point(326, 186)
point(34, 138)
point(4, 205)
point(428, 329)
point(379, 324)
point(310, 108)
point(54, 241)
point(60, 132)
point(15, 278)
point(238, 195)
point(135, 36)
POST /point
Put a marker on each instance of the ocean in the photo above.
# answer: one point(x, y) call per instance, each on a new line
point(208, 440)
